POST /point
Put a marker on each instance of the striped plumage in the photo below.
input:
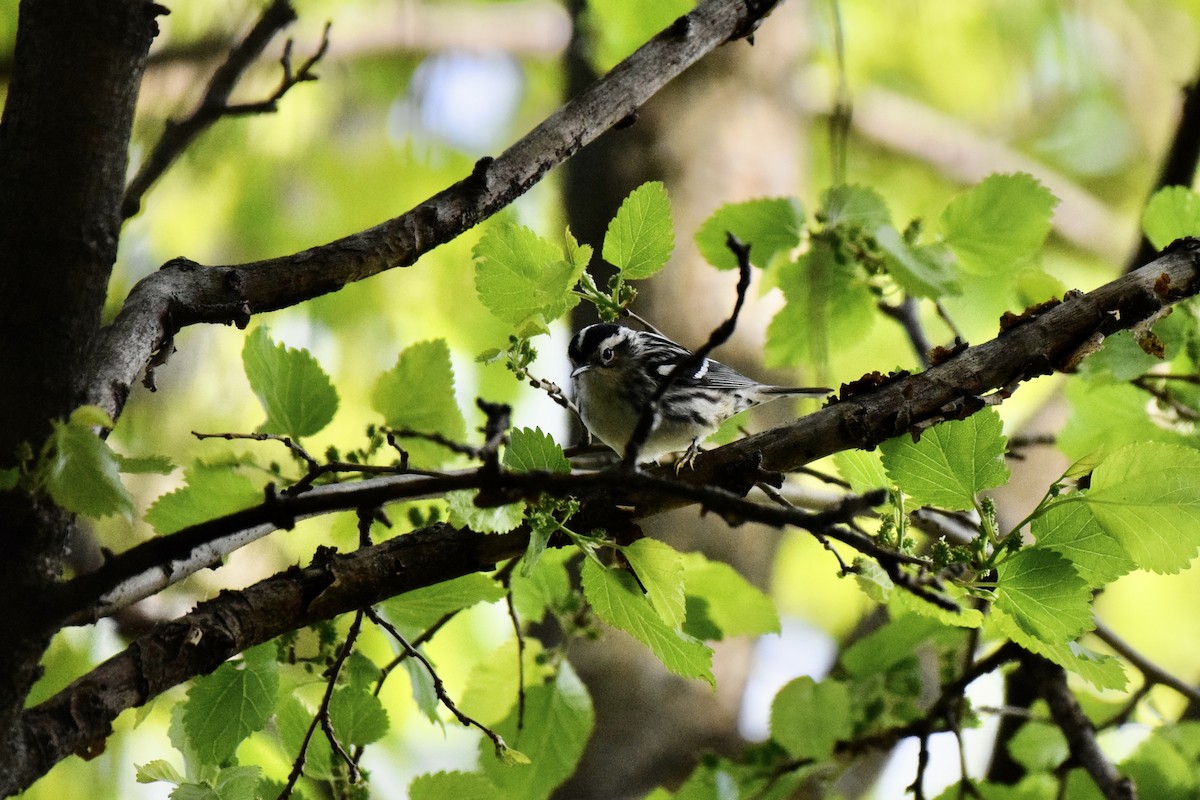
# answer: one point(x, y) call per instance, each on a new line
point(616, 370)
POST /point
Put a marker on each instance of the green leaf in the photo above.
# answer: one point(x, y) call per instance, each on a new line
point(1039, 746)
point(158, 770)
point(81, 472)
point(895, 641)
point(920, 270)
point(424, 691)
point(1106, 416)
point(292, 719)
point(491, 519)
point(1172, 213)
point(851, 206)
point(769, 225)
point(524, 279)
point(546, 588)
point(640, 238)
point(659, 569)
point(828, 303)
point(732, 604)
point(418, 394)
point(209, 491)
point(294, 391)
point(966, 617)
point(558, 721)
point(1162, 769)
point(531, 450)
point(1120, 359)
point(225, 707)
point(1071, 530)
point(616, 599)
point(358, 716)
point(493, 687)
point(1147, 496)
point(863, 469)
point(1042, 593)
point(999, 224)
point(416, 610)
point(809, 718)
point(157, 465)
point(452, 786)
point(952, 462)
point(1102, 671)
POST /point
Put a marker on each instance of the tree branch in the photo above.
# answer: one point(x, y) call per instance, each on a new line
point(183, 293)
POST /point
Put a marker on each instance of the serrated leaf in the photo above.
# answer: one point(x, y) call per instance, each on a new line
point(966, 616)
point(209, 491)
point(920, 270)
point(546, 587)
point(358, 716)
point(616, 599)
point(532, 450)
point(731, 603)
point(157, 465)
point(452, 786)
point(809, 718)
point(491, 519)
point(659, 568)
point(418, 394)
point(81, 472)
point(1042, 593)
point(416, 610)
point(640, 238)
point(1147, 496)
point(292, 719)
point(952, 462)
point(558, 721)
point(1102, 671)
point(158, 770)
point(769, 225)
point(851, 206)
point(1173, 212)
point(521, 277)
point(226, 706)
point(294, 391)
point(1000, 223)
point(863, 469)
point(1071, 530)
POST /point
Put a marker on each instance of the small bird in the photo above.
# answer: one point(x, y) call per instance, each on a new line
point(616, 372)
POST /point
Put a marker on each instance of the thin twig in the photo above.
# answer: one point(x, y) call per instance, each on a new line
point(286, 441)
point(438, 687)
point(905, 313)
point(322, 716)
point(1153, 673)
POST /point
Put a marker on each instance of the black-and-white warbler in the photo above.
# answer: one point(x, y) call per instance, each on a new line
point(616, 372)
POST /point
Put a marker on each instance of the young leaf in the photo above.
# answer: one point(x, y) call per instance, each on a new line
point(158, 770)
point(1147, 496)
point(292, 719)
point(921, 270)
point(952, 462)
point(294, 391)
point(209, 491)
point(558, 721)
point(851, 206)
point(616, 599)
point(1071, 530)
point(532, 450)
point(731, 603)
point(640, 238)
point(659, 569)
point(1000, 223)
point(358, 716)
point(418, 394)
point(493, 688)
point(1102, 671)
point(769, 226)
point(452, 786)
point(547, 587)
point(416, 610)
point(81, 472)
point(492, 519)
point(1172, 213)
point(423, 690)
point(1042, 593)
point(809, 718)
point(225, 707)
point(524, 279)
point(863, 469)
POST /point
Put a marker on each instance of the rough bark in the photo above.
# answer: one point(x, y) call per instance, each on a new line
point(64, 140)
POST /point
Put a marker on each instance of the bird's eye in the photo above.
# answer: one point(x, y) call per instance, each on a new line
point(606, 355)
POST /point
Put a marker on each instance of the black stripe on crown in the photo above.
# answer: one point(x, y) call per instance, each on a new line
point(588, 340)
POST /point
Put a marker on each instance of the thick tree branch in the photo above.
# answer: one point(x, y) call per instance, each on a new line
point(184, 293)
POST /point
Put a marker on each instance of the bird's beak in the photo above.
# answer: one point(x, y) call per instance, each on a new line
point(580, 370)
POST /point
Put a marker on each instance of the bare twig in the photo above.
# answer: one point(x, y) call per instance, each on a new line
point(905, 313)
point(178, 135)
point(322, 716)
point(286, 441)
point(1153, 673)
